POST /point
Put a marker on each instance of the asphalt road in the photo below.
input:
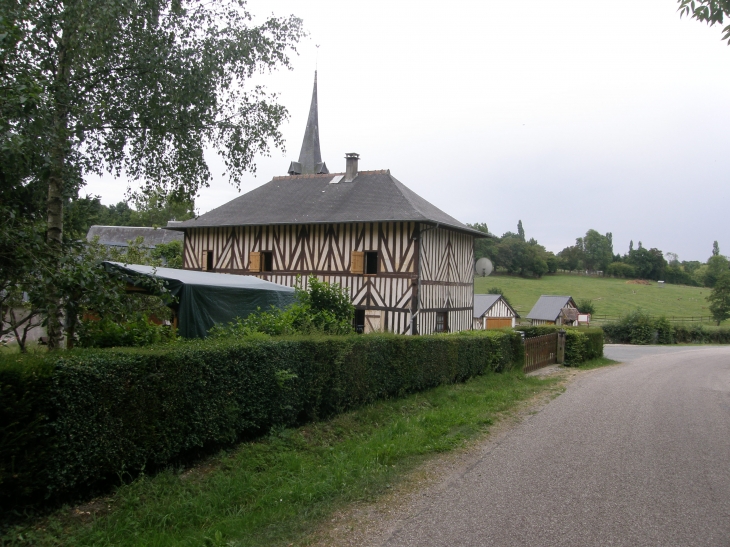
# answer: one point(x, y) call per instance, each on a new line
point(635, 454)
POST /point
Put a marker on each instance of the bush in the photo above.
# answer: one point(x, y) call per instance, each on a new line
point(586, 306)
point(107, 333)
point(641, 328)
point(638, 327)
point(582, 344)
point(621, 269)
point(323, 308)
point(70, 420)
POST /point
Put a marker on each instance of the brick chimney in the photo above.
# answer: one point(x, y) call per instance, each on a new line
point(351, 166)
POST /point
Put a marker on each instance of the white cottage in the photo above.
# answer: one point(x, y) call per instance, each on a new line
point(491, 311)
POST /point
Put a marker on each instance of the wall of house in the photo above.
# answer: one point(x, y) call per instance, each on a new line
point(500, 309)
point(326, 251)
point(447, 279)
point(446, 256)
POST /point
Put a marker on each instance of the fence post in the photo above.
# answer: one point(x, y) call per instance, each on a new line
point(560, 357)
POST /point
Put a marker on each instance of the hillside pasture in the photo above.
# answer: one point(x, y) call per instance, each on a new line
point(610, 296)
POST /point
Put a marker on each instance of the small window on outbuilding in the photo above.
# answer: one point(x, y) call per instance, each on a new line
point(267, 261)
point(371, 262)
point(442, 321)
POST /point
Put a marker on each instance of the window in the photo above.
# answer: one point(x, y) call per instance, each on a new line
point(267, 261)
point(442, 321)
point(206, 261)
point(359, 322)
point(371, 262)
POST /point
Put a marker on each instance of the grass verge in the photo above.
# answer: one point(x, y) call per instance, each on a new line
point(597, 363)
point(277, 490)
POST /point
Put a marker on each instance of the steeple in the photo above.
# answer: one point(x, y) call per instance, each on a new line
point(310, 158)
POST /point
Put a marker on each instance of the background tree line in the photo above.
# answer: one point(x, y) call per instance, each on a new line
point(513, 254)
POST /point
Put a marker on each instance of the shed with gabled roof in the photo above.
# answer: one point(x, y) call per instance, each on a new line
point(554, 310)
point(491, 311)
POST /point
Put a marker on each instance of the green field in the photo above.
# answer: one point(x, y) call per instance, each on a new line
point(610, 296)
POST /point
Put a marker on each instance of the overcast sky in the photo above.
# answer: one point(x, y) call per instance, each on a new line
point(567, 115)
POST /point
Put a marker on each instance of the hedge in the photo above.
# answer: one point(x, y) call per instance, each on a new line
point(660, 331)
point(70, 420)
point(581, 343)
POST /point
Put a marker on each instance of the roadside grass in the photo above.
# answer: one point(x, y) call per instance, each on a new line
point(596, 363)
point(277, 490)
point(609, 296)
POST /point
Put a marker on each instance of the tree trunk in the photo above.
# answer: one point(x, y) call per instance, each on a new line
point(57, 172)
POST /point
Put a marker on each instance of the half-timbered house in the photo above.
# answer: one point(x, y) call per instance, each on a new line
point(408, 266)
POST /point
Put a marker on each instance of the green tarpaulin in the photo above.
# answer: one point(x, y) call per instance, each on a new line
point(205, 299)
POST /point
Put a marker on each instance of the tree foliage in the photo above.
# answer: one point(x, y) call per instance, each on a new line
point(707, 11)
point(141, 87)
point(719, 298)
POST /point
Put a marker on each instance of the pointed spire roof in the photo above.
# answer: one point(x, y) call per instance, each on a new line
point(310, 158)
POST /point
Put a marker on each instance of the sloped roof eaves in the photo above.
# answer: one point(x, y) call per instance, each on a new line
point(547, 307)
point(484, 302)
point(374, 196)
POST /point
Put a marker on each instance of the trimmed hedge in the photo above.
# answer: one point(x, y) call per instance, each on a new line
point(661, 331)
point(70, 420)
point(581, 343)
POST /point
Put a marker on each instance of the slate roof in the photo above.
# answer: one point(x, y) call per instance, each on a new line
point(374, 196)
point(483, 302)
point(548, 307)
point(119, 236)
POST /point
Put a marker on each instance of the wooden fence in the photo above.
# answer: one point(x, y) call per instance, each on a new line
point(541, 351)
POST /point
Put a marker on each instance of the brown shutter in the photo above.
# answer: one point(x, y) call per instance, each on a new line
point(357, 261)
point(204, 260)
point(254, 260)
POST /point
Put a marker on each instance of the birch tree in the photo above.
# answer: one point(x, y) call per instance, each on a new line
point(141, 87)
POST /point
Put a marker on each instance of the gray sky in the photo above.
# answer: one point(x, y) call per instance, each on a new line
point(568, 114)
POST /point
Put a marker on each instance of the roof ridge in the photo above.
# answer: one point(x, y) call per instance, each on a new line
point(331, 175)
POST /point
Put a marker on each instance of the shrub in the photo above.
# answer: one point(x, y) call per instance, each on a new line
point(582, 344)
point(621, 269)
point(323, 308)
point(107, 333)
point(72, 419)
point(638, 327)
point(586, 306)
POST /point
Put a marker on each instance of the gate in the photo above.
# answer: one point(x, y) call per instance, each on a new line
point(541, 351)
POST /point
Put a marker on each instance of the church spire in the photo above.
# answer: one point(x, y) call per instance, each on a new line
point(310, 158)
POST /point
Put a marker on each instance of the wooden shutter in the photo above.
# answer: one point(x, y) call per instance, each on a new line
point(204, 260)
point(357, 262)
point(254, 260)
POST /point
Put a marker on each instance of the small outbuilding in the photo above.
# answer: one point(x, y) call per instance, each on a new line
point(491, 311)
point(205, 299)
point(554, 310)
